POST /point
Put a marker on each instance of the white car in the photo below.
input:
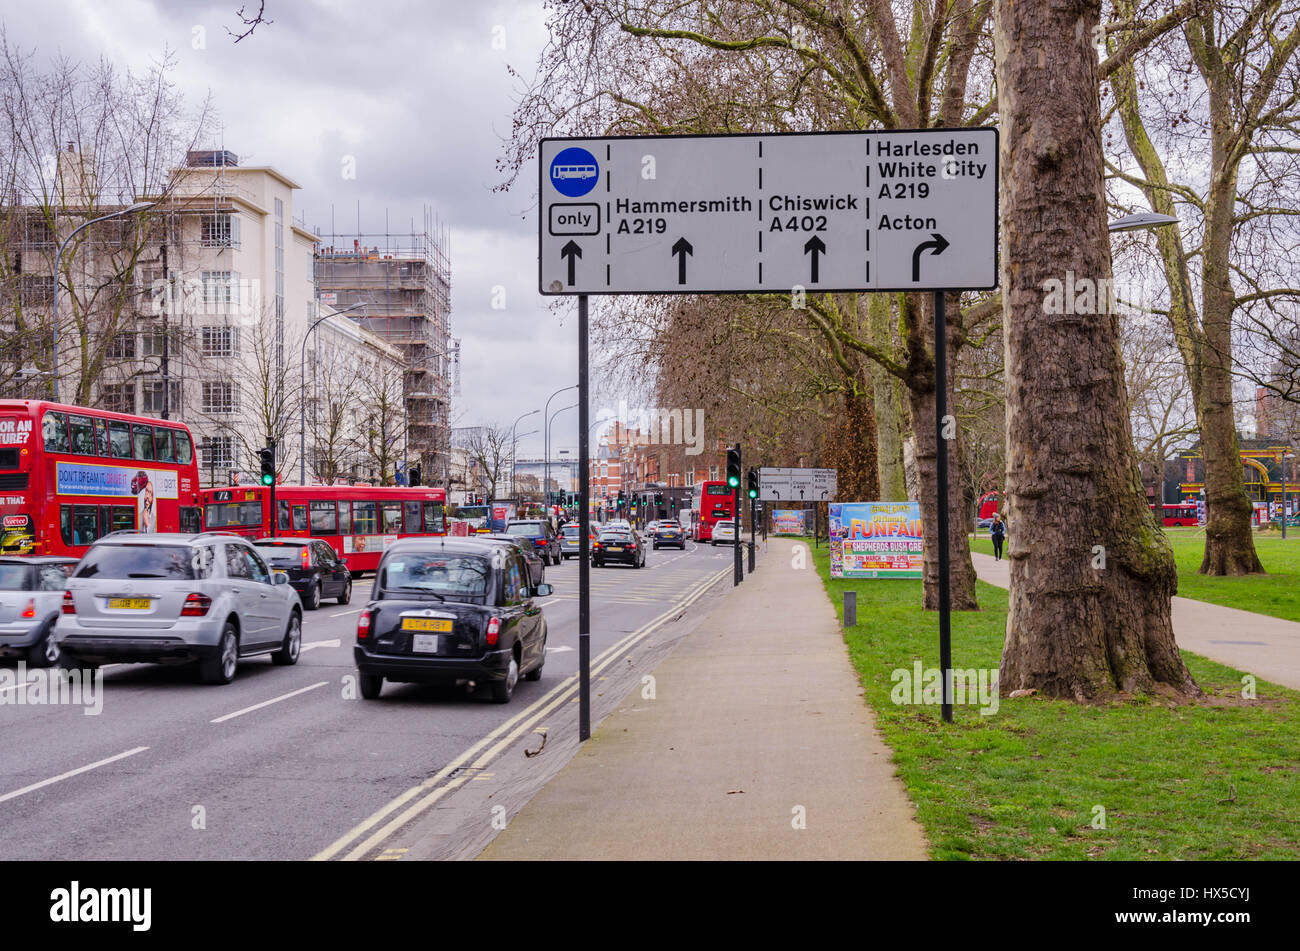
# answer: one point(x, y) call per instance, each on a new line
point(724, 531)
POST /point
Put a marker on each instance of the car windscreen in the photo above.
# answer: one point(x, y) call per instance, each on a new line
point(233, 515)
point(524, 528)
point(615, 537)
point(285, 556)
point(570, 531)
point(15, 577)
point(445, 574)
point(174, 562)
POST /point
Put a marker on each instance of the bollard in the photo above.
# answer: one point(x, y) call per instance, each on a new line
point(850, 609)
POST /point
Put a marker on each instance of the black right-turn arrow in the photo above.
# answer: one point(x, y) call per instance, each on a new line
point(940, 244)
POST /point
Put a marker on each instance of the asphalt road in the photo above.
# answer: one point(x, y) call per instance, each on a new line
point(285, 764)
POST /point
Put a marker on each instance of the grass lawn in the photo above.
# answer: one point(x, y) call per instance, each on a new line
point(1176, 782)
point(1276, 594)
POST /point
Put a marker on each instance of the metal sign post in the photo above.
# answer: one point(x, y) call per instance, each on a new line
point(941, 470)
point(584, 533)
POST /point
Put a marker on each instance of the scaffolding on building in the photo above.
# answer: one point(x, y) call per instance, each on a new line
point(402, 282)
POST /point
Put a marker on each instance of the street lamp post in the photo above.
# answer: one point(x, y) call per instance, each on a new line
point(302, 389)
point(546, 467)
point(58, 261)
point(546, 438)
point(513, 429)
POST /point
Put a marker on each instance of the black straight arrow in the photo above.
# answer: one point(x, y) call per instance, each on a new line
point(571, 251)
point(816, 246)
point(681, 248)
point(940, 244)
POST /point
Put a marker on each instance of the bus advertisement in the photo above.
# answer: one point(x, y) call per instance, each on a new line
point(70, 475)
point(711, 502)
point(358, 521)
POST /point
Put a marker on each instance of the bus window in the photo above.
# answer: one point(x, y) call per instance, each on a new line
point(65, 523)
point(54, 426)
point(184, 448)
point(433, 517)
point(191, 520)
point(143, 441)
point(83, 523)
point(101, 437)
point(123, 518)
point(300, 518)
point(83, 434)
point(412, 525)
point(392, 517)
point(282, 520)
point(119, 437)
point(323, 519)
point(345, 518)
point(365, 516)
point(162, 440)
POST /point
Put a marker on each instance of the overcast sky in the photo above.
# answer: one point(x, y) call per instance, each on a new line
point(417, 92)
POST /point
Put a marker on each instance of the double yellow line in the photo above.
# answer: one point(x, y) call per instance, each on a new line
point(419, 798)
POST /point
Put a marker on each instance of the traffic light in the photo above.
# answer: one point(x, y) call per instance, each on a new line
point(733, 468)
point(753, 483)
point(621, 499)
point(659, 498)
point(414, 474)
point(267, 457)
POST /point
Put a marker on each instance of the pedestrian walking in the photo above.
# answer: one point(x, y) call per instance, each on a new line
point(998, 532)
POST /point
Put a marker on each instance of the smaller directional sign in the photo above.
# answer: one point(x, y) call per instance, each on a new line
point(796, 485)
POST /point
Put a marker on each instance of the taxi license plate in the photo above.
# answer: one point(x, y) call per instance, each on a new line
point(424, 643)
point(615, 547)
point(426, 624)
point(129, 604)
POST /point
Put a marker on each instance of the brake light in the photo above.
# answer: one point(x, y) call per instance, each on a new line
point(539, 541)
point(30, 610)
point(306, 557)
point(595, 544)
point(493, 630)
point(196, 605)
point(69, 606)
point(363, 626)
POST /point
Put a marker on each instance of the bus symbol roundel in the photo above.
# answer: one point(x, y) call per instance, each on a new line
point(574, 172)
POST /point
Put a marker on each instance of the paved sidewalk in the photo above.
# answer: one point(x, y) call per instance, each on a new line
point(759, 711)
point(1266, 646)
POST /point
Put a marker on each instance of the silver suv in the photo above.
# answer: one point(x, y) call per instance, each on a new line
point(175, 598)
point(31, 591)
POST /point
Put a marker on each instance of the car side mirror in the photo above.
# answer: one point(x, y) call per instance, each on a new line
point(279, 579)
point(543, 590)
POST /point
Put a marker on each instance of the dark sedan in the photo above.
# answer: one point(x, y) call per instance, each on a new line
point(536, 565)
point(620, 546)
point(541, 535)
point(314, 569)
point(451, 612)
point(668, 533)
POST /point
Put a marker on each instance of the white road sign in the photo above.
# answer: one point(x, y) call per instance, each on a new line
point(826, 211)
point(796, 485)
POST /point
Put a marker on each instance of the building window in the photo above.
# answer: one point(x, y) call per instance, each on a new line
point(690, 477)
point(219, 341)
point(120, 346)
point(713, 473)
point(151, 345)
point(219, 231)
point(219, 398)
point(152, 396)
point(217, 452)
point(36, 289)
point(220, 289)
point(117, 397)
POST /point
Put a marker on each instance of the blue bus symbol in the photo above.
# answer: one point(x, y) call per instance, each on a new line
point(574, 172)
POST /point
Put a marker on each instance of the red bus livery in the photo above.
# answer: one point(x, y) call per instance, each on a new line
point(711, 502)
point(358, 521)
point(69, 475)
point(1184, 514)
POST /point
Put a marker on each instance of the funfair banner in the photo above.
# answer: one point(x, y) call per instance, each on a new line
point(790, 522)
point(875, 539)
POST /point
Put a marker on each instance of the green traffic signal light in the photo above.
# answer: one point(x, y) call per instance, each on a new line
point(267, 479)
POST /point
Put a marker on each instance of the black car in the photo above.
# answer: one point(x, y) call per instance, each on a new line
point(315, 570)
point(668, 533)
point(618, 546)
point(536, 566)
point(451, 611)
point(543, 537)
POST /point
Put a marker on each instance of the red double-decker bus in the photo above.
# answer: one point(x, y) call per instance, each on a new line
point(1178, 515)
point(69, 475)
point(358, 521)
point(711, 502)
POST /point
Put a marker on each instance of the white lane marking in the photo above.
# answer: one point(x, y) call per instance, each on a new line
point(73, 772)
point(552, 601)
point(312, 645)
point(346, 613)
point(558, 650)
point(266, 703)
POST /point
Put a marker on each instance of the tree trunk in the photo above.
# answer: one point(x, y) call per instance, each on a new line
point(1091, 574)
point(852, 450)
point(887, 395)
point(961, 571)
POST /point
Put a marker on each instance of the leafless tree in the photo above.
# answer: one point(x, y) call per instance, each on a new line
point(488, 447)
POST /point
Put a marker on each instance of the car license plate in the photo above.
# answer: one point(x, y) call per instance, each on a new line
point(424, 643)
point(128, 604)
point(615, 547)
point(426, 624)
